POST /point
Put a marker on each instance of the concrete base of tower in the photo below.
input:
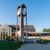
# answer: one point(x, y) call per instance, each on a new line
point(20, 36)
point(21, 39)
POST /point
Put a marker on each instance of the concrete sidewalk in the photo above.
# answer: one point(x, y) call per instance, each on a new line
point(35, 46)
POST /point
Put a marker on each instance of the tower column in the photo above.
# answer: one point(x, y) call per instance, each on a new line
point(22, 27)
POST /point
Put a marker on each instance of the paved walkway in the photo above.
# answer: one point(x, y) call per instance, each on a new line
point(31, 46)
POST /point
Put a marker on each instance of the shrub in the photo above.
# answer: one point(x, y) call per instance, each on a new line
point(43, 41)
point(8, 38)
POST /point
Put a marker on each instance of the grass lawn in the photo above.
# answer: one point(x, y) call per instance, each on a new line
point(9, 45)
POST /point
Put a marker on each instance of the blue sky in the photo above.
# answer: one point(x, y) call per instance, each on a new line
point(38, 12)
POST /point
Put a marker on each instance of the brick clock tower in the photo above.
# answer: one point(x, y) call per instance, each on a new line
point(21, 13)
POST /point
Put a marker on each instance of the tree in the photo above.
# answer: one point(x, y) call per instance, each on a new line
point(46, 30)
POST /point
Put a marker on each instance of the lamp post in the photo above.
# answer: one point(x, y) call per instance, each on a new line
point(21, 12)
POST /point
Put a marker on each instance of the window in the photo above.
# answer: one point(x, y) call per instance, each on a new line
point(4, 29)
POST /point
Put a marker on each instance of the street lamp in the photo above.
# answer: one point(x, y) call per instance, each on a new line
point(22, 12)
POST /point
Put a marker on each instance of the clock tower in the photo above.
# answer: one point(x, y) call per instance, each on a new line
point(21, 13)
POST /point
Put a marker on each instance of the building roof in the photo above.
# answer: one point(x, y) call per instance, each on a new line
point(29, 27)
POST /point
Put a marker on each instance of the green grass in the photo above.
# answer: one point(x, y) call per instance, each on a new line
point(9, 45)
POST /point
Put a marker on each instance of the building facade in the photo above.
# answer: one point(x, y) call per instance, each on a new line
point(5, 31)
point(30, 28)
point(10, 30)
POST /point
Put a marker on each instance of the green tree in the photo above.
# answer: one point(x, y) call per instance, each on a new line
point(46, 30)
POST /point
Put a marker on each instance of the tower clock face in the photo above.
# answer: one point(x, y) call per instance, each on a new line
point(24, 11)
point(19, 11)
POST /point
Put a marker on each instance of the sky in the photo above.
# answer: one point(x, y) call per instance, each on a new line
point(38, 12)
